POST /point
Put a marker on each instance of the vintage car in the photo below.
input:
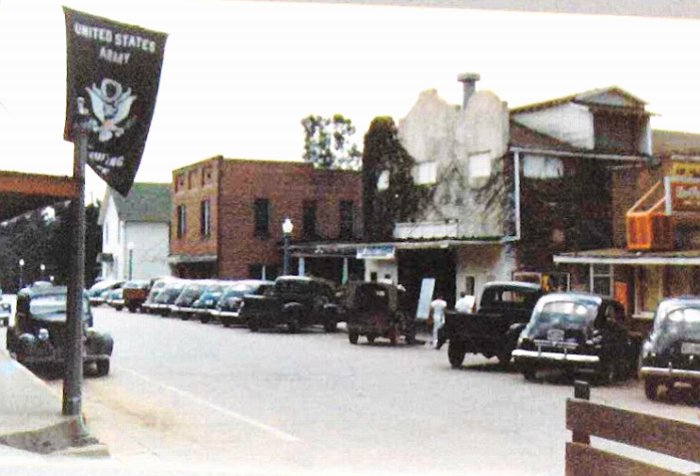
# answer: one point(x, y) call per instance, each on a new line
point(671, 352)
point(493, 330)
point(228, 307)
point(294, 302)
point(182, 306)
point(374, 310)
point(115, 299)
point(37, 337)
point(149, 305)
point(135, 293)
point(99, 291)
point(578, 332)
point(204, 305)
point(163, 302)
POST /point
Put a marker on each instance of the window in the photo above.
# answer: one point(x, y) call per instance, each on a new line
point(207, 175)
point(540, 167)
point(469, 285)
point(261, 271)
point(425, 173)
point(191, 179)
point(346, 219)
point(179, 182)
point(205, 219)
point(601, 279)
point(181, 220)
point(479, 167)
point(309, 219)
point(383, 180)
point(262, 217)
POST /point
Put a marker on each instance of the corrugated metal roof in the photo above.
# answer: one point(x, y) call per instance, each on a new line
point(582, 97)
point(525, 137)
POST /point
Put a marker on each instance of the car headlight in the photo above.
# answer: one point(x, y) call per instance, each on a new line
point(43, 335)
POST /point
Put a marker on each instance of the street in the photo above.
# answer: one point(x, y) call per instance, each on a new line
point(184, 394)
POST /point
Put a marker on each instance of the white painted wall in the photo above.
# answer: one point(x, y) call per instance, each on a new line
point(110, 239)
point(572, 123)
point(150, 256)
point(382, 268)
point(484, 262)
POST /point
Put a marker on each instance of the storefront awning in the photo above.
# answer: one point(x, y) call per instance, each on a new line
point(621, 256)
point(366, 250)
point(184, 259)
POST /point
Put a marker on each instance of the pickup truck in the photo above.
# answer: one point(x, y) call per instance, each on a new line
point(504, 311)
point(293, 301)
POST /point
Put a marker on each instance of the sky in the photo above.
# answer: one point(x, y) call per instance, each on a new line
point(238, 77)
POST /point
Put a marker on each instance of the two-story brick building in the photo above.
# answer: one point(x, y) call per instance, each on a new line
point(227, 216)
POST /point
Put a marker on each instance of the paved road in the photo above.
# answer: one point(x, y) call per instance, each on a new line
point(183, 394)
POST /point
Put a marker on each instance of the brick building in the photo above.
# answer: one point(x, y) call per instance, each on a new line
point(227, 216)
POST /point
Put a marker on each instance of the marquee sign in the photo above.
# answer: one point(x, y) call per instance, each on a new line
point(682, 194)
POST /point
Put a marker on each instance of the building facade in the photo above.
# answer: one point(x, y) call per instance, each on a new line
point(227, 217)
point(135, 232)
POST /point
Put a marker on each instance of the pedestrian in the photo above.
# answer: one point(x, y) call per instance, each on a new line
point(437, 309)
point(465, 303)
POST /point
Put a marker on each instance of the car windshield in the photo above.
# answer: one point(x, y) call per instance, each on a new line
point(567, 314)
point(683, 321)
point(52, 307)
point(238, 290)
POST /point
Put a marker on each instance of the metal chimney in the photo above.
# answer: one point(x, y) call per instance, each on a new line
point(469, 80)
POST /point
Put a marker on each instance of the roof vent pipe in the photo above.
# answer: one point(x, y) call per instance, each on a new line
point(469, 80)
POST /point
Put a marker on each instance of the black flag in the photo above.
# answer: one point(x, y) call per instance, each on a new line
point(113, 75)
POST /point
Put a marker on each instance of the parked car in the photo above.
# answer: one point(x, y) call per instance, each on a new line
point(228, 307)
point(374, 310)
point(115, 298)
point(165, 299)
point(149, 305)
point(203, 306)
point(135, 293)
point(182, 306)
point(37, 338)
point(293, 301)
point(98, 292)
point(671, 352)
point(504, 311)
point(5, 311)
point(577, 332)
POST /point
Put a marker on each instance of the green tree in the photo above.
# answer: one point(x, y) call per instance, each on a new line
point(328, 142)
point(389, 193)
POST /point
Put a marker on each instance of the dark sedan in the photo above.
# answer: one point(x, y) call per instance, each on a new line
point(671, 353)
point(577, 332)
point(228, 307)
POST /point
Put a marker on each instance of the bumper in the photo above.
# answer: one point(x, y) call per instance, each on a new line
point(670, 374)
point(49, 360)
point(226, 314)
point(561, 358)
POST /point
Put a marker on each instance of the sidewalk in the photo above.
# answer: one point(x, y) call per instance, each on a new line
point(31, 419)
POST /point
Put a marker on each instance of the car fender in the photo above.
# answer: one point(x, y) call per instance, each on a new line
point(514, 332)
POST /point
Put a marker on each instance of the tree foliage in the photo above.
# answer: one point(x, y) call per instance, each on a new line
point(328, 142)
point(397, 198)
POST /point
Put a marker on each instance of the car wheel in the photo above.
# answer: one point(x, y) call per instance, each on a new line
point(204, 319)
point(370, 339)
point(226, 322)
point(608, 374)
point(352, 337)
point(411, 337)
point(530, 374)
point(102, 368)
point(253, 325)
point(504, 357)
point(330, 326)
point(132, 309)
point(119, 308)
point(455, 353)
point(293, 325)
point(650, 389)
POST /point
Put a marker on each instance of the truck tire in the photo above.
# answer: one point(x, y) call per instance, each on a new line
point(650, 388)
point(102, 367)
point(253, 325)
point(370, 338)
point(352, 337)
point(504, 357)
point(455, 353)
point(330, 326)
point(529, 373)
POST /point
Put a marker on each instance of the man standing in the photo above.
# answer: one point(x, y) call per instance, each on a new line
point(465, 303)
point(437, 308)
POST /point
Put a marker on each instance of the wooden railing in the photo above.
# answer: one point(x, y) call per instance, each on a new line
point(585, 419)
point(650, 229)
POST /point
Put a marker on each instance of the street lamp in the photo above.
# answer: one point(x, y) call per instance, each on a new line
point(130, 246)
point(287, 228)
point(42, 267)
point(21, 271)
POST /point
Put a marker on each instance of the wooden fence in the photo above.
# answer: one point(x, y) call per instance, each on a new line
point(586, 419)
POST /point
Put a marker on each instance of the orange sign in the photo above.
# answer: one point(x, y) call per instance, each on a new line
point(685, 195)
point(685, 169)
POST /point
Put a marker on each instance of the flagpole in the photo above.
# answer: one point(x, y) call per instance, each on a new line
point(73, 379)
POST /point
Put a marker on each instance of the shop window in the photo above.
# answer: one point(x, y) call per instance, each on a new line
point(601, 279)
point(262, 217)
point(650, 287)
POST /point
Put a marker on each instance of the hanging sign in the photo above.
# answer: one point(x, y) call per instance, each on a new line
point(112, 83)
point(684, 194)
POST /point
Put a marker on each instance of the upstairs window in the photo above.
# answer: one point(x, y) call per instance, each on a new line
point(262, 217)
point(346, 219)
point(205, 219)
point(425, 173)
point(181, 221)
point(309, 219)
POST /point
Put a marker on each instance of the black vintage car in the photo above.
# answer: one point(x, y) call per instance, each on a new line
point(577, 332)
point(671, 352)
point(295, 302)
point(228, 307)
point(37, 338)
point(182, 306)
point(376, 310)
point(165, 300)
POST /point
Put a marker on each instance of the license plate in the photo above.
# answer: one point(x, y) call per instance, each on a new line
point(690, 348)
point(555, 335)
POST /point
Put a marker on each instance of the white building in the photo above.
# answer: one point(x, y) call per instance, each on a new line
point(135, 232)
